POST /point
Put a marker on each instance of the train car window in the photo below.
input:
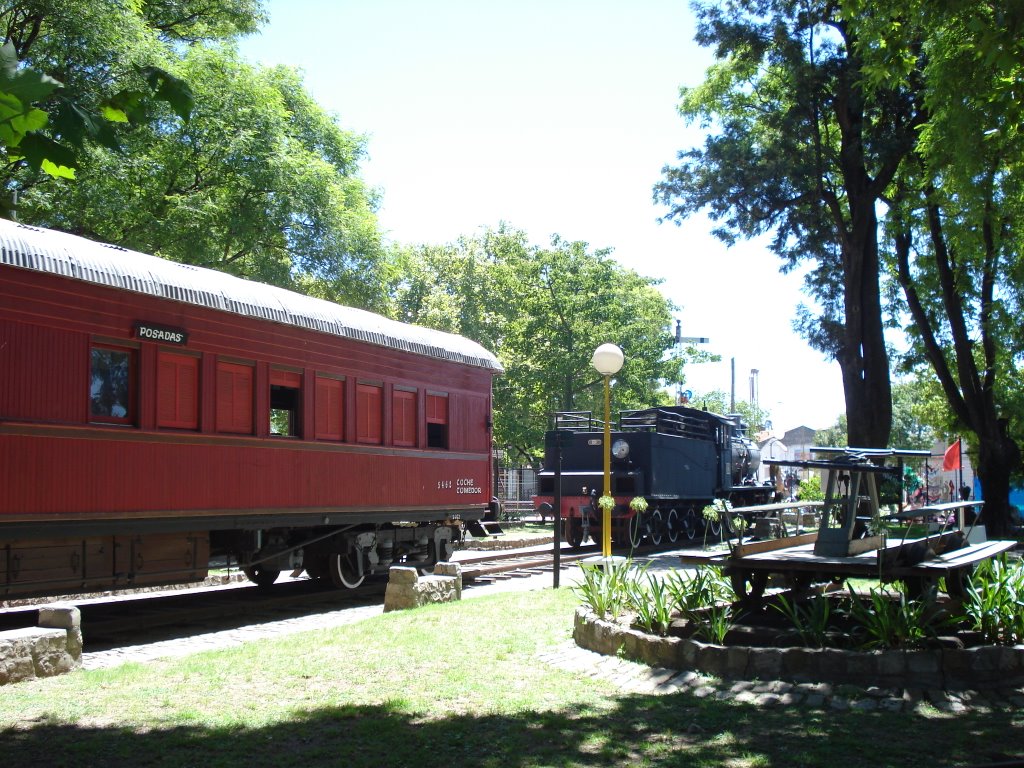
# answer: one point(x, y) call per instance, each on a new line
point(285, 397)
point(112, 385)
point(437, 421)
point(330, 408)
point(403, 418)
point(369, 413)
point(234, 398)
point(177, 390)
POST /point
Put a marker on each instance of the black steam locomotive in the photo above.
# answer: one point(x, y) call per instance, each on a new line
point(677, 459)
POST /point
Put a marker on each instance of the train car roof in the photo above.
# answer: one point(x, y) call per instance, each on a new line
point(59, 253)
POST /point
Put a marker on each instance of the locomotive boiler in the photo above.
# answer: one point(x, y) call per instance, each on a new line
point(677, 459)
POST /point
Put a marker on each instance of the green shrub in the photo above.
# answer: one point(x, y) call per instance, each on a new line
point(811, 620)
point(714, 623)
point(993, 601)
point(605, 586)
point(887, 619)
point(810, 490)
point(704, 588)
point(652, 602)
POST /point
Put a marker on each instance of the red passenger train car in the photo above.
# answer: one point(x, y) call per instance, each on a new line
point(154, 414)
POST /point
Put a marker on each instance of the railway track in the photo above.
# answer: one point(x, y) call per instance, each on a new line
point(125, 619)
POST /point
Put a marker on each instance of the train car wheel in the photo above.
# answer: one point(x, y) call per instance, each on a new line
point(574, 532)
point(672, 526)
point(344, 570)
point(690, 523)
point(636, 530)
point(261, 575)
point(656, 522)
point(715, 526)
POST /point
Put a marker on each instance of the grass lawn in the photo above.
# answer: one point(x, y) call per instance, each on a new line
point(450, 685)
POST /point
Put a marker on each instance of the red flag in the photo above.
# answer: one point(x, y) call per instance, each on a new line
point(951, 459)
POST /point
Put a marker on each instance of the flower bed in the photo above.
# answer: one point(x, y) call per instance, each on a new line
point(694, 621)
point(982, 667)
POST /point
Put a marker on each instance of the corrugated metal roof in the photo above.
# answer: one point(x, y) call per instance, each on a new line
point(59, 253)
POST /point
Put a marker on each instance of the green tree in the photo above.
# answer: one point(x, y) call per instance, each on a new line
point(834, 436)
point(716, 401)
point(260, 182)
point(956, 251)
point(795, 149)
point(543, 311)
point(101, 67)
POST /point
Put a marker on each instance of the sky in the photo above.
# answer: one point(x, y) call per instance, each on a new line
point(555, 117)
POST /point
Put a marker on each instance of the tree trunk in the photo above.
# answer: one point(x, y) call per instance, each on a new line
point(862, 357)
point(998, 457)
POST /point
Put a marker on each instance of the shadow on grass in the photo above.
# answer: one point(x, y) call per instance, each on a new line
point(650, 730)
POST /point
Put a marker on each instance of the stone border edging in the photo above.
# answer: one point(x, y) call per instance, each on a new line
point(984, 667)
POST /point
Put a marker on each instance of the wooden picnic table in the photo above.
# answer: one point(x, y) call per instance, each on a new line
point(749, 564)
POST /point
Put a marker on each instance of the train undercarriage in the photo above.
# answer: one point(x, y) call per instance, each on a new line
point(663, 522)
point(344, 557)
point(83, 561)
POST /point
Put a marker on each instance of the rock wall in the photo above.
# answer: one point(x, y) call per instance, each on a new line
point(984, 667)
point(52, 648)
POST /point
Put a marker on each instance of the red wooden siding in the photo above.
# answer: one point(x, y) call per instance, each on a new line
point(44, 373)
point(52, 463)
point(62, 473)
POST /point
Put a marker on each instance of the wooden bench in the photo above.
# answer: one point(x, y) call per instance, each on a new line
point(965, 556)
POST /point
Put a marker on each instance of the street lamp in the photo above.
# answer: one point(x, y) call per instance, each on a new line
point(607, 360)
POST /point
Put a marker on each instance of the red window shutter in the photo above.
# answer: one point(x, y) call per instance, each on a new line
point(368, 413)
point(234, 398)
point(285, 379)
point(403, 418)
point(177, 391)
point(330, 409)
point(437, 409)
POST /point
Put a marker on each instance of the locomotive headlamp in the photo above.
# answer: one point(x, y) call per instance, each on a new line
point(620, 449)
point(607, 360)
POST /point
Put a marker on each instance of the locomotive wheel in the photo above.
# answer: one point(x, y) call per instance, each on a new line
point(748, 585)
point(656, 522)
point(261, 575)
point(636, 530)
point(344, 570)
point(715, 526)
point(574, 532)
point(672, 526)
point(690, 523)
